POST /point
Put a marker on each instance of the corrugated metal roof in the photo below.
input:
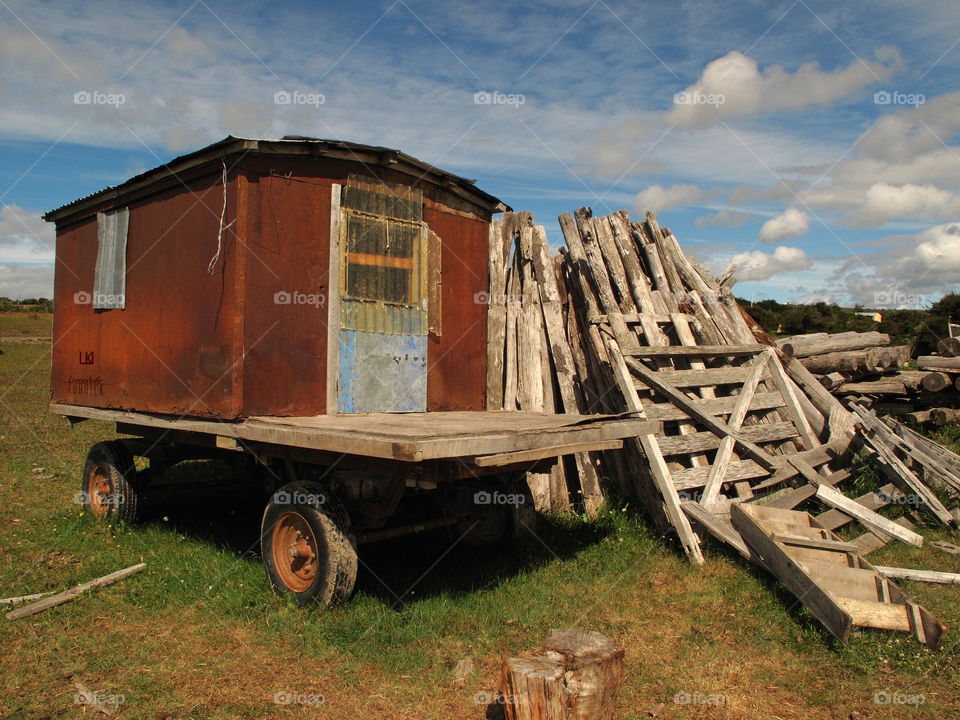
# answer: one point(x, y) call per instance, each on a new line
point(294, 145)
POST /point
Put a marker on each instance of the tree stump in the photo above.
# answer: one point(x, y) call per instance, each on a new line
point(575, 675)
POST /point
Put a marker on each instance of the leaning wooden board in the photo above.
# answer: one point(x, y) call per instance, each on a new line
point(829, 576)
point(410, 437)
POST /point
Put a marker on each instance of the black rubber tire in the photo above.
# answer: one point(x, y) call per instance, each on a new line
point(336, 572)
point(111, 463)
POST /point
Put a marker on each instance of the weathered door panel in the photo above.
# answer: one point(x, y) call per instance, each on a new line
point(382, 358)
point(380, 372)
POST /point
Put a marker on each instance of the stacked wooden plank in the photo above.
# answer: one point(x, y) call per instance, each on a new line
point(623, 322)
point(530, 364)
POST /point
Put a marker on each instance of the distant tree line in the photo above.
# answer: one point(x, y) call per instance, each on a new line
point(918, 328)
point(33, 305)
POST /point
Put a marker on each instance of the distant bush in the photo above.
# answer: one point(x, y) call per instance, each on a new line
point(905, 327)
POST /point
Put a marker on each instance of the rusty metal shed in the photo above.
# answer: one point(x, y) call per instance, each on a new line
point(274, 277)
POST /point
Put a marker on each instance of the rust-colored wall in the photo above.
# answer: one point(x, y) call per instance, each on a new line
point(457, 371)
point(188, 344)
point(171, 349)
point(288, 248)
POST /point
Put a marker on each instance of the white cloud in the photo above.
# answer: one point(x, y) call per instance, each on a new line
point(758, 265)
point(792, 223)
point(908, 270)
point(25, 237)
point(903, 135)
point(885, 202)
point(724, 218)
point(26, 281)
point(734, 86)
point(656, 197)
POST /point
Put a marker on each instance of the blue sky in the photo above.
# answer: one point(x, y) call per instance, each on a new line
point(811, 143)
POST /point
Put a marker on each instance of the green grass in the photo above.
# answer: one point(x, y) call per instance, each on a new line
point(198, 634)
point(25, 324)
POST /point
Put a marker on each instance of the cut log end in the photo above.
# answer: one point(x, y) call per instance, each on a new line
point(575, 674)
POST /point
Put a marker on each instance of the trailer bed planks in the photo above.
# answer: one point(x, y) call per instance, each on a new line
point(408, 437)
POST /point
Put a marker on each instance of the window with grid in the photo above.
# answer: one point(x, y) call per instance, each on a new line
point(382, 243)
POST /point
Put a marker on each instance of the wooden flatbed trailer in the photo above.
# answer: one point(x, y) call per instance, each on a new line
point(339, 480)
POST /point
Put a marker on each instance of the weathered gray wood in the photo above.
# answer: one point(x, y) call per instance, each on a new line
point(938, 362)
point(333, 304)
point(930, 576)
point(601, 279)
point(513, 298)
point(937, 381)
point(834, 343)
point(695, 412)
point(722, 459)
point(696, 351)
point(821, 604)
point(575, 675)
point(68, 595)
point(718, 406)
point(834, 519)
point(522, 456)
point(696, 378)
point(794, 410)
point(19, 599)
point(703, 441)
point(658, 466)
point(882, 439)
point(809, 337)
point(690, 478)
point(498, 257)
point(872, 520)
point(719, 527)
point(637, 280)
point(942, 416)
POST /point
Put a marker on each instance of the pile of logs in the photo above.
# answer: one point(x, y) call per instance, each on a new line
point(847, 358)
point(864, 367)
point(622, 322)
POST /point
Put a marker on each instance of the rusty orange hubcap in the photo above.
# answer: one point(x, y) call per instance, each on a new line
point(294, 549)
point(99, 491)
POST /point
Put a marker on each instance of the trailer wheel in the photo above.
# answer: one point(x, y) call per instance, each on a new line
point(109, 482)
point(306, 545)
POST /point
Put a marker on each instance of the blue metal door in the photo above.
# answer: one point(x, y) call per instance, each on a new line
point(382, 358)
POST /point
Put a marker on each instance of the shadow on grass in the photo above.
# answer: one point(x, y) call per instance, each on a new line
point(227, 515)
